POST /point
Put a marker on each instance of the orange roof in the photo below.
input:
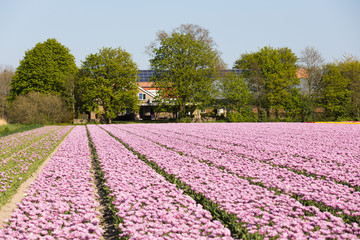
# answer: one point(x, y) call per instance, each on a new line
point(301, 73)
point(145, 84)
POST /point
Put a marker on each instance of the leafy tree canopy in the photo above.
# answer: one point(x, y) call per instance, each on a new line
point(234, 92)
point(271, 76)
point(339, 91)
point(196, 32)
point(185, 69)
point(334, 94)
point(350, 69)
point(109, 80)
point(44, 69)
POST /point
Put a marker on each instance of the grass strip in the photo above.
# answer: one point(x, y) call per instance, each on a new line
point(15, 128)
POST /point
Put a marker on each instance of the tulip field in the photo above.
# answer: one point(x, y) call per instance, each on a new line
point(22, 153)
point(184, 181)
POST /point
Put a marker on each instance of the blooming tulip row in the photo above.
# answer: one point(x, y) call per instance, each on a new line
point(15, 142)
point(60, 204)
point(148, 206)
point(324, 150)
point(261, 210)
point(18, 167)
point(336, 196)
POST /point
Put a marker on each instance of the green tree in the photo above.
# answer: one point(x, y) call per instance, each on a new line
point(44, 69)
point(234, 91)
point(6, 74)
point(197, 33)
point(234, 96)
point(334, 94)
point(109, 81)
point(350, 70)
point(185, 70)
point(271, 76)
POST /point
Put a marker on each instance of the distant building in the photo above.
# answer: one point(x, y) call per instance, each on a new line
point(303, 75)
point(147, 94)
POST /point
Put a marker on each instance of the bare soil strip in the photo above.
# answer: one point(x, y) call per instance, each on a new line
point(106, 217)
point(107, 220)
point(7, 209)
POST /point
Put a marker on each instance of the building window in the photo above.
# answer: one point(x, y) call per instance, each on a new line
point(142, 96)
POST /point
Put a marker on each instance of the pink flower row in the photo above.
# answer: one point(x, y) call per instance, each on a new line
point(262, 210)
point(16, 166)
point(18, 141)
point(60, 204)
point(329, 150)
point(328, 192)
point(149, 206)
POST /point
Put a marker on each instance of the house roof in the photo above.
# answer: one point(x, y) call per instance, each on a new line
point(145, 75)
point(302, 73)
point(145, 84)
point(146, 91)
point(223, 73)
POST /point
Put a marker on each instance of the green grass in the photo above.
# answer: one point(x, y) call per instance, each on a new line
point(15, 128)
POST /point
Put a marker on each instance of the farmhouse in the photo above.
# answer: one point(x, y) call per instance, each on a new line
point(147, 94)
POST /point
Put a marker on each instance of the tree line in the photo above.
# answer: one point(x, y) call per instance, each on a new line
point(269, 84)
point(272, 77)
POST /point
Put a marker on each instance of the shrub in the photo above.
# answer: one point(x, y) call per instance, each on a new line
point(186, 119)
point(243, 116)
point(39, 108)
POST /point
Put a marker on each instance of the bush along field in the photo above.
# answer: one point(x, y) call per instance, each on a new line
point(191, 181)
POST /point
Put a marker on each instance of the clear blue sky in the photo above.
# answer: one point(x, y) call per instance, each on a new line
point(85, 26)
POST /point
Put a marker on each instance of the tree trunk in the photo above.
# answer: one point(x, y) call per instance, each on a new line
point(268, 113)
point(181, 111)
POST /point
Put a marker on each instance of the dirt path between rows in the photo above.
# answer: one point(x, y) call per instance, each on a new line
point(8, 209)
point(106, 218)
